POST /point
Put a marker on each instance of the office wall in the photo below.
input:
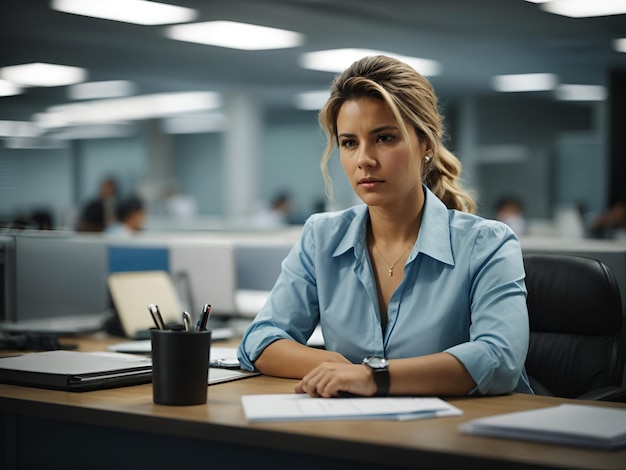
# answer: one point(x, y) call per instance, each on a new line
point(533, 126)
point(125, 158)
point(617, 135)
point(35, 178)
point(290, 160)
point(200, 170)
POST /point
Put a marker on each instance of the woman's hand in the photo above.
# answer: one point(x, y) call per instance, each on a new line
point(330, 379)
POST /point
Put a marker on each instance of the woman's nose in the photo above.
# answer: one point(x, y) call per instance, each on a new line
point(366, 156)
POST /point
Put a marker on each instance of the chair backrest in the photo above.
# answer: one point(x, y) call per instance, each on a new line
point(575, 313)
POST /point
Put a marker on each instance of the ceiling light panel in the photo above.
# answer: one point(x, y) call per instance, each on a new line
point(128, 11)
point(585, 8)
point(581, 93)
point(40, 74)
point(19, 129)
point(131, 108)
point(234, 35)
point(98, 90)
point(337, 60)
point(524, 82)
point(9, 88)
point(620, 45)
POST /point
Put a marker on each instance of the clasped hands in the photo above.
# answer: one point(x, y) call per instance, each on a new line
point(331, 379)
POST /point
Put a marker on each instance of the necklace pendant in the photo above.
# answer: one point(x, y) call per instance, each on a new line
point(390, 271)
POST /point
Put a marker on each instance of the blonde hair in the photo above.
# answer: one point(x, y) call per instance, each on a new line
point(411, 98)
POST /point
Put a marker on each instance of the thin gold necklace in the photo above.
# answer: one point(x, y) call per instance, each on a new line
point(391, 266)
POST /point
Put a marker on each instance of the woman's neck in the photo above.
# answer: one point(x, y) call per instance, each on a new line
point(395, 225)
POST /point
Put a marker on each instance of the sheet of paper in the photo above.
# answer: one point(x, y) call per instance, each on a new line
point(218, 375)
point(144, 346)
point(580, 425)
point(285, 407)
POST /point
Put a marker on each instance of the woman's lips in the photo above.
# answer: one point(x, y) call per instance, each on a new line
point(370, 183)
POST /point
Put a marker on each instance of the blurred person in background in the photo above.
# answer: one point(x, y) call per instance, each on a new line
point(612, 222)
point(278, 214)
point(510, 210)
point(131, 216)
point(99, 212)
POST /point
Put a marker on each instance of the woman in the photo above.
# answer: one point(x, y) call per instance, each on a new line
point(415, 295)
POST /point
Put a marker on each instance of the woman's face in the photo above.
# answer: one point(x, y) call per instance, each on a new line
point(375, 156)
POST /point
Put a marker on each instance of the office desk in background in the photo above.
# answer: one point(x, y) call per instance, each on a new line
point(123, 428)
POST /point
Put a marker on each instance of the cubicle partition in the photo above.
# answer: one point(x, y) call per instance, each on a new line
point(49, 275)
point(52, 276)
point(46, 275)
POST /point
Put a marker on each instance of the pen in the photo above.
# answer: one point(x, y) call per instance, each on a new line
point(187, 321)
point(156, 316)
point(204, 317)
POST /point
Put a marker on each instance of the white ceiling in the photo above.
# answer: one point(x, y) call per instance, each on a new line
point(473, 40)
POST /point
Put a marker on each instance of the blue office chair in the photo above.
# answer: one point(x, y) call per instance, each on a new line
point(577, 345)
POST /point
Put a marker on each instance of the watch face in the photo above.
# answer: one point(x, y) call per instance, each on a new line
point(376, 362)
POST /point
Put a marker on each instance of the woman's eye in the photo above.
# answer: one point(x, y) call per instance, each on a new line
point(348, 143)
point(385, 138)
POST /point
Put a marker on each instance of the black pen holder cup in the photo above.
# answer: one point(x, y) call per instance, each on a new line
point(180, 366)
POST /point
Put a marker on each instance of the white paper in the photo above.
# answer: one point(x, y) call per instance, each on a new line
point(289, 407)
point(217, 375)
point(144, 346)
point(584, 425)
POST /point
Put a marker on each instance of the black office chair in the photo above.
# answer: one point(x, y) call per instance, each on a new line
point(576, 343)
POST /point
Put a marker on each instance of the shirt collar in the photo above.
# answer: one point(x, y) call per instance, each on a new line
point(354, 238)
point(433, 239)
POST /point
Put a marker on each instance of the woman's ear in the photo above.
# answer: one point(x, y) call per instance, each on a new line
point(427, 148)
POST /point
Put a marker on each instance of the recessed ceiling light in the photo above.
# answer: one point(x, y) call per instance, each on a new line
point(96, 90)
point(128, 109)
point(9, 88)
point(197, 123)
point(524, 82)
point(581, 93)
point(234, 35)
point(94, 131)
point(128, 11)
point(39, 74)
point(337, 60)
point(620, 45)
point(585, 8)
point(19, 129)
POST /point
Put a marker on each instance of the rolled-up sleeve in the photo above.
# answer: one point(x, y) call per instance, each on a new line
point(499, 330)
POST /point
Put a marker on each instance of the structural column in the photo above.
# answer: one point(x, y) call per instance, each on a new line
point(242, 155)
point(468, 141)
point(160, 161)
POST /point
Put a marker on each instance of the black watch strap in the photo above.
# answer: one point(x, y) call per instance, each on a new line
point(380, 370)
point(381, 377)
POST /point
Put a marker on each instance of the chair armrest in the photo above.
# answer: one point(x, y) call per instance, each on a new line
point(613, 393)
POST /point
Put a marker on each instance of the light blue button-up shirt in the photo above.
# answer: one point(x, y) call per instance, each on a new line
point(463, 292)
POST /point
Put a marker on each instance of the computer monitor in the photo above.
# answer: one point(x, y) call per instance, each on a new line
point(51, 277)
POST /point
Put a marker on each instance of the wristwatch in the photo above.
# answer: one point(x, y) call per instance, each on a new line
point(380, 369)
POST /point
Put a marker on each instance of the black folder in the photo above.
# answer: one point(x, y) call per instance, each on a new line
point(75, 371)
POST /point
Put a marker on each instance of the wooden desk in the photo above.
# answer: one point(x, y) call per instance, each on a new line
point(123, 428)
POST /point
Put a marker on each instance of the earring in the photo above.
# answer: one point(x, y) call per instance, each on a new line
point(428, 158)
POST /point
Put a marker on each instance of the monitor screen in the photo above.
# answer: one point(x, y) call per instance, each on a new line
point(59, 276)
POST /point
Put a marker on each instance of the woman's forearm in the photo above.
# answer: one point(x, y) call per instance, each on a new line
point(287, 358)
point(435, 374)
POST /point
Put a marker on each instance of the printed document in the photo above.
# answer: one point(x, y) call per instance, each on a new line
point(290, 407)
point(579, 425)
